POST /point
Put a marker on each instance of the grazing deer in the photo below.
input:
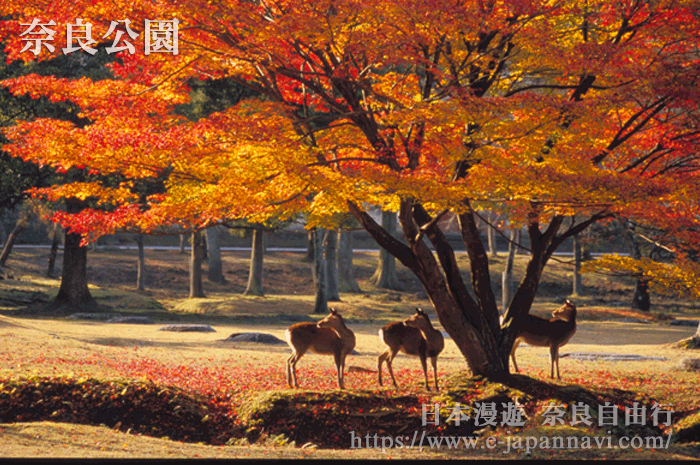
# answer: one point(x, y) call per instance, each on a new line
point(413, 336)
point(328, 336)
point(552, 333)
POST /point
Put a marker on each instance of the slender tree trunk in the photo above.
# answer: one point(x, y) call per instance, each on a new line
point(196, 287)
point(255, 275)
point(385, 276)
point(507, 277)
point(215, 272)
point(331, 259)
point(11, 239)
point(346, 271)
point(55, 240)
point(74, 294)
point(577, 284)
point(141, 265)
point(641, 299)
point(309, 257)
point(183, 240)
point(319, 273)
point(491, 235)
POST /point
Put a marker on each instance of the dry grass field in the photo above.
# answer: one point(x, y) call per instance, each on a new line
point(34, 347)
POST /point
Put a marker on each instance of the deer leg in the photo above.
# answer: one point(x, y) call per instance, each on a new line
point(292, 370)
point(339, 369)
point(554, 354)
point(391, 372)
point(433, 362)
point(381, 359)
point(512, 355)
point(424, 364)
point(552, 359)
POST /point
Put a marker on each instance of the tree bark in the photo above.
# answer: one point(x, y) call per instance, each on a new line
point(641, 299)
point(309, 257)
point(55, 240)
point(331, 263)
point(577, 284)
point(255, 274)
point(141, 265)
point(346, 270)
point(183, 240)
point(491, 235)
point(196, 287)
point(215, 271)
point(11, 239)
point(74, 294)
point(507, 276)
point(319, 272)
point(385, 276)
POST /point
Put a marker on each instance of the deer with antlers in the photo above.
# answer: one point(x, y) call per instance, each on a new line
point(329, 336)
point(552, 333)
point(413, 336)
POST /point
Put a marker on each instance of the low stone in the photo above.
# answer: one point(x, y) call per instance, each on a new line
point(262, 338)
point(691, 323)
point(188, 328)
point(139, 320)
point(92, 316)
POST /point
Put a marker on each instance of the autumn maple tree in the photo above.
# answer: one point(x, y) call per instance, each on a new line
point(558, 114)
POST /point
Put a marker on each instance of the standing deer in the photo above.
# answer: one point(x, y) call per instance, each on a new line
point(328, 336)
point(552, 333)
point(413, 336)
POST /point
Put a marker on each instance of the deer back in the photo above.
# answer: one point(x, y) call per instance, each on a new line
point(308, 336)
point(403, 338)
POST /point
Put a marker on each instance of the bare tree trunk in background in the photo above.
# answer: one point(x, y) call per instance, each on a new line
point(309, 257)
point(491, 235)
point(507, 276)
point(331, 259)
point(141, 265)
point(215, 272)
point(255, 275)
point(12, 238)
point(346, 271)
point(196, 287)
point(577, 284)
point(183, 240)
point(641, 299)
point(55, 240)
point(319, 272)
point(385, 276)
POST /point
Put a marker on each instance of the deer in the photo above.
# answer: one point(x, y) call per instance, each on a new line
point(553, 333)
point(413, 336)
point(328, 336)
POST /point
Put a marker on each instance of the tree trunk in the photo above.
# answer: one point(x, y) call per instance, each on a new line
point(346, 271)
point(183, 240)
point(255, 275)
point(11, 239)
point(331, 259)
point(640, 299)
point(196, 287)
point(74, 294)
point(55, 240)
point(491, 235)
point(319, 272)
point(309, 257)
point(471, 321)
point(141, 264)
point(507, 276)
point(577, 284)
point(385, 276)
point(215, 271)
